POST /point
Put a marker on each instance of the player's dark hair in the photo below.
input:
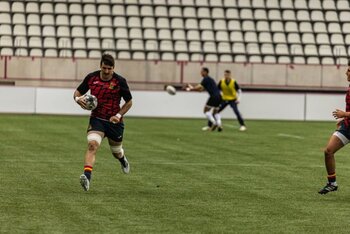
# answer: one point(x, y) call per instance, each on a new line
point(227, 71)
point(205, 69)
point(107, 59)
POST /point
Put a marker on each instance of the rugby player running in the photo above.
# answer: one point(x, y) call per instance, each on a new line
point(338, 140)
point(107, 119)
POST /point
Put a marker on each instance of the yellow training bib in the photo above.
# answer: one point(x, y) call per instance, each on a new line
point(228, 90)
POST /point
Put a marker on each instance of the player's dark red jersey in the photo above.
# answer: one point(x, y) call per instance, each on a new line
point(108, 93)
point(347, 109)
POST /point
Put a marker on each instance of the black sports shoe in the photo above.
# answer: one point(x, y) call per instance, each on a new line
point(213, 127)
point(220, 129)
point(328, 188)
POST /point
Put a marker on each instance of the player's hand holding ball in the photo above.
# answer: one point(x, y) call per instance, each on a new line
point(81, 102)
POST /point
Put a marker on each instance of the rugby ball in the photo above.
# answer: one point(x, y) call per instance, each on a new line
point(171, 90)
point(91, 101)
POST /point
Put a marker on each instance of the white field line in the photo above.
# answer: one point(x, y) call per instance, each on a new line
point(230, 125)
point(290, 136)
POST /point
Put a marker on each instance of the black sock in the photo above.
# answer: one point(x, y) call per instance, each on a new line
point(88, 171)
point(122, 161)
point(331, 178)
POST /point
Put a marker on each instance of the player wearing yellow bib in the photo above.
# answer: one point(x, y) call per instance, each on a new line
point(231, 94)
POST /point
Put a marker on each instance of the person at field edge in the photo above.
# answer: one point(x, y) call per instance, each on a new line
point(338, 140)
point(106, 120)
point(214, 99)
point(231, 94)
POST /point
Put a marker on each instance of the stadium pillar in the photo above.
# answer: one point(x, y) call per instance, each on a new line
point(182, 64)
point(5, 68)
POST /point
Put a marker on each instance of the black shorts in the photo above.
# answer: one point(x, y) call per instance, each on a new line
point(214, 101)
point(111, 130)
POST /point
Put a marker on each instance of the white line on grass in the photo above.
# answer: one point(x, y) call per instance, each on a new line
point(290, 136)
point(230, 125)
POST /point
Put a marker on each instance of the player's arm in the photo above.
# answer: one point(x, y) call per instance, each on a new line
point(126, 94)
point(340, 114)
point(80, 91)
point(79, 98)
point(197, 87)
point(239, 92)
point(123, 110)
point(219, 85)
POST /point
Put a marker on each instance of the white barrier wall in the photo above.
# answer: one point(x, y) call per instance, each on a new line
point(141, 74)
point(254, 105)
point(321, 106)
point(57, 101)
point(17, 100)
point(273, 106)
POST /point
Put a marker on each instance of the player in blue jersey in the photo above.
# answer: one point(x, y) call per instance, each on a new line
point(213, 103)
point(338, 140)
point(107, 119)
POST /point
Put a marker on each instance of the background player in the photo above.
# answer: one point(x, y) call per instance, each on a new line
point(231, 94)
point(338, 140)
point(107, 119)
point(214, 99)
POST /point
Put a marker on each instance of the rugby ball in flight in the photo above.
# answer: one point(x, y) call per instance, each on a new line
point(170, 89)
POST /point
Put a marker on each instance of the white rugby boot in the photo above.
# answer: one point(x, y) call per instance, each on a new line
point(126, 168)
point(85, 182)
point(242, 128)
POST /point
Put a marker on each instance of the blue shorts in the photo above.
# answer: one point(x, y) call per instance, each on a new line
point(111, 130)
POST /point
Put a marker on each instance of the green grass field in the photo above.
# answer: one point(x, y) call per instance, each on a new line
point(182, 180)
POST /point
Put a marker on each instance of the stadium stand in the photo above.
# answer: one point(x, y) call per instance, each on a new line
point(269, 31)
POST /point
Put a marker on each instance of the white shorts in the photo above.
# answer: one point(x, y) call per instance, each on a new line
point(341, 137)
